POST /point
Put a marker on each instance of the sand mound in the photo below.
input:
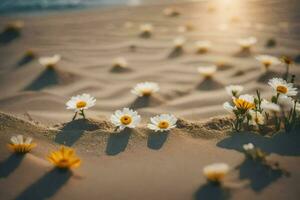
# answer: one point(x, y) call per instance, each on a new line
point(50, 77)
point(15, 124)
point(147, 101)
point(213, 128)
point(87, 125)
point(69, 133)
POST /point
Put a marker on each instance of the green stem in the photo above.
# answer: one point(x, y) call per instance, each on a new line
point(82, 114)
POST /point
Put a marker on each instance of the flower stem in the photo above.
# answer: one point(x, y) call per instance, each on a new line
point(74, 117)
point(286, 76)
point(82, 114)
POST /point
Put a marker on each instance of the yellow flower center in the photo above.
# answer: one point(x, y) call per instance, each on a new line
point(242, 104)
point(246, 47)
point(281, 89)
point(63, 163)
point(215, 176)
point(267, 64)
point(50, 66)
point(163, 124)
point(126, 120)
point(81, 104)
point(147, 92)
point(202, 50)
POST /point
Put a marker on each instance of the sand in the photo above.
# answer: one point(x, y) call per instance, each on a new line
point(139, 164)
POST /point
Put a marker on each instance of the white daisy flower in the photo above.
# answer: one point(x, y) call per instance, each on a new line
point(125, 118)
point(234, 90)
point(282, 87)
point(247, 43)
point(268, 61)
point(163, 122)
point(216, 172)
point(248, 147)
point(256, 118)
point(146, 29)
point(203, 46)
point(179, 42)
point(80, 103)
point(145, 89)
point(120, 62)
point(50, 62)
point(269, 107)
point(207, 71)
point(19, 144)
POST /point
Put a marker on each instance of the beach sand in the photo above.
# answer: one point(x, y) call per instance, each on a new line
point(139, 164)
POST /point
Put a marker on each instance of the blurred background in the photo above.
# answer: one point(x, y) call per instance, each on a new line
point(21, 6)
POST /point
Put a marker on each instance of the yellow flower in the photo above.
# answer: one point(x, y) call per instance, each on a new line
point(216, 172)
point(65, 158)
point(21, 145)
point(244, 102)
point(287, 60)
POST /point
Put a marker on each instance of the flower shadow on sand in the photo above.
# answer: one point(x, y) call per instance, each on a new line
point(47, 185)
point(47, 78)
point(156, 140)
point(72, 131)
point(212, 191)
point(10, 165)
point(282, 143)
point(209, 84)
point(8, 36)
point(117, 142)
point(260, 175)
point(146, 101)
point(243, 53)
point(176, 52)
point(265, 77)
point(24, 60)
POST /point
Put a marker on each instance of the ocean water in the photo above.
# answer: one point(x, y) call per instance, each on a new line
point(25, 6)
